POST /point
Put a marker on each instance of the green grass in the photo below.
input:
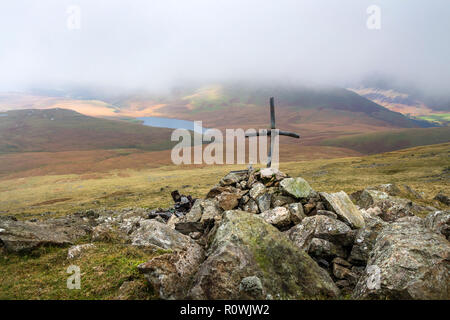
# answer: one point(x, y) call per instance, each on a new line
point(43, 275)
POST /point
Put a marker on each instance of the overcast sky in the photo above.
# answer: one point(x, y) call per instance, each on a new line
point(159, 43)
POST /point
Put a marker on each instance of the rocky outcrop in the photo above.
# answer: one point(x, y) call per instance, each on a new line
point(385, 197)
point(442, 198)
point(21, 236)
point(170, 275)
point(439, 221)
point(245, 246)
point(157, 235)
point(408, 261)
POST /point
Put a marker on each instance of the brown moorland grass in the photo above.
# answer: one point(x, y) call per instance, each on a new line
point(423, 168)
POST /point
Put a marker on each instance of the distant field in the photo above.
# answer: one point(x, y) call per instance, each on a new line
point(425, 168)
point(372, 143)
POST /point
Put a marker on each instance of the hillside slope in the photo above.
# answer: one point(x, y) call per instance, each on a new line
point(378, 142)
point(65, 130)
point(217, 100)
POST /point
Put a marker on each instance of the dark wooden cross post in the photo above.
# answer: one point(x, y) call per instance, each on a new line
point(273, 132)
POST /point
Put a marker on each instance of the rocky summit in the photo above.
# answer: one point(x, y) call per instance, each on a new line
point(259, 234)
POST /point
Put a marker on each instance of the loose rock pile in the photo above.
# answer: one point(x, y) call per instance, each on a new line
point(260, 234)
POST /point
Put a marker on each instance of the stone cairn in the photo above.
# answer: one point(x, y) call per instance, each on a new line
point(332, 219)
point(335, 232)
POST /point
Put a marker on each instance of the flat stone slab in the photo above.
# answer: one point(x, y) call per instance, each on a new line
point(340, 203)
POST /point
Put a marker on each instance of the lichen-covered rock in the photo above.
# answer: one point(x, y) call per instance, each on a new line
point(257, 190)
point(252, 288)
point(203, 214)
point(341, 204)
point(408, 261)
point(296, 187)
point(392, 207)
point(267, 173)
point(320, 248)
point(228, 201)
point(279, 200)
point(244, 246)
point(365, 240)
point(251, 206)
point(21, 236)
point(158, 235)
point(233, 177)
point(263, 202)
point(171, 274)
point(296, 211)
point(218, 189)
point(321, 227)
point(211, 211)
point(279, 217)
point(439, 221)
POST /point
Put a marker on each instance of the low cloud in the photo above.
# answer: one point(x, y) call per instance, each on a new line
point(156, 44)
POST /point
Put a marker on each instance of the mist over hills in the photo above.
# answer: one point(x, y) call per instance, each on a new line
point(317, 113)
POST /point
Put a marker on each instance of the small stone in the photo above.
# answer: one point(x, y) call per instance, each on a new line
point(232, 178)
point(77, 251)
point(279, 200)
point(263, 202)
point(228, 201)
point(342, 262)
point(251, 206)
point(257, 190)
point(309, 208)
point(296, 211)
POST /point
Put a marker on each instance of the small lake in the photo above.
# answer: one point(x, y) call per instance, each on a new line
point(170, 123)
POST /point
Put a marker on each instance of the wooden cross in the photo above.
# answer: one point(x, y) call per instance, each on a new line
point(274, 132)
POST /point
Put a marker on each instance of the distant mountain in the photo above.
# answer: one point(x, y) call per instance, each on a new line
point(63, 130)
point(215, 101)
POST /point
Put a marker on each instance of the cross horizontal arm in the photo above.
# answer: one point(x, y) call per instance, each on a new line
point(269, 133)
